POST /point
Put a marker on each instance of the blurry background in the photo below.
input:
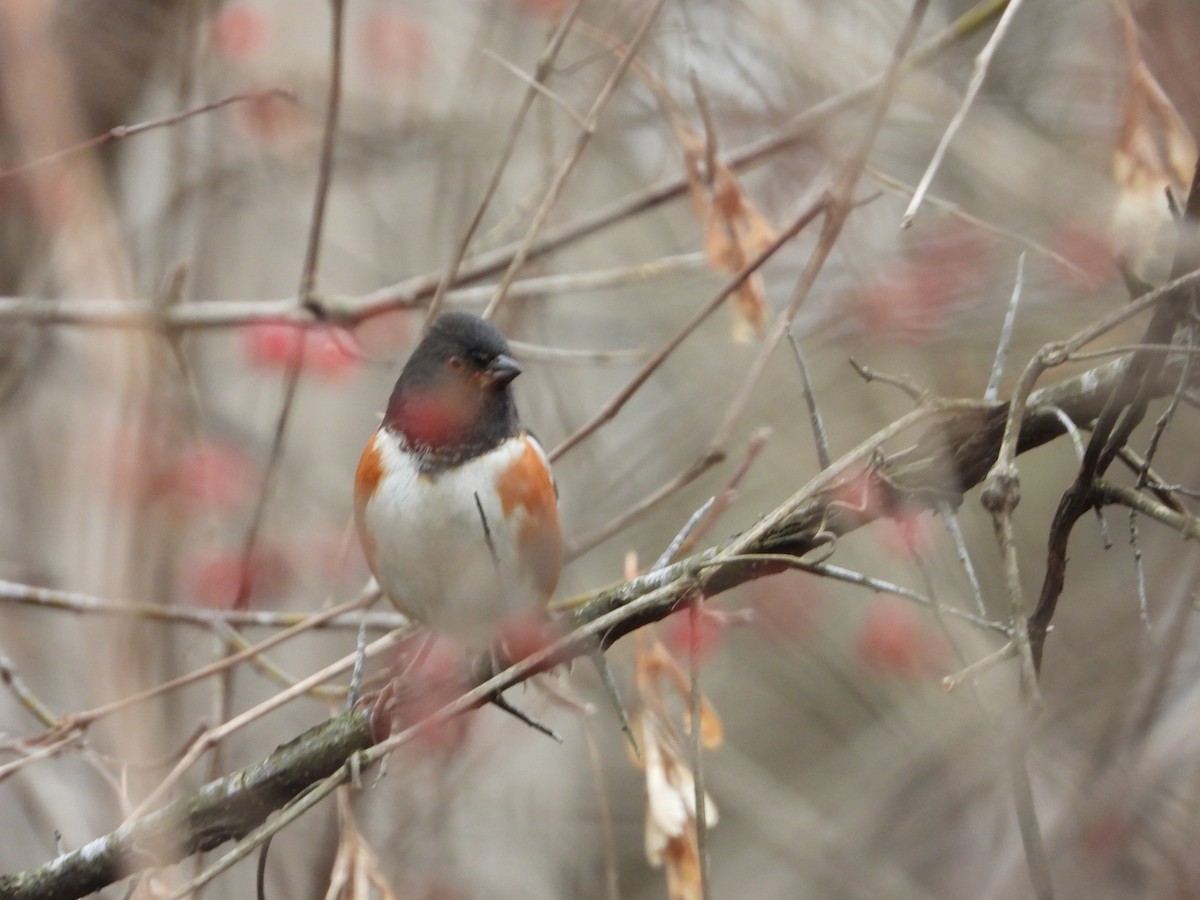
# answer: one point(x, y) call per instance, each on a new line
point(135, 457)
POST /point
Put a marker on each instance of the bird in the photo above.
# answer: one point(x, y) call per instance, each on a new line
point(455, 503)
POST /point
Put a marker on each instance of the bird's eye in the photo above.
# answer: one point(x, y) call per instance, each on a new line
point(456, 363)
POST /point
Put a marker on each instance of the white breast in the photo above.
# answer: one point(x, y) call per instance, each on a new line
point(434, 555)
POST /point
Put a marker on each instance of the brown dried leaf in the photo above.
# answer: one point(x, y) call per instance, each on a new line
point(670, 836)
point(734, 230)
point(356, 868)
point(1154, 152)
point(712, 732)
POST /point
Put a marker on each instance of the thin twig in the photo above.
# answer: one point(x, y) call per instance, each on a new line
point(25, 696)
point(668, 556)
point(699, 794)
point(964, 555)
point(86, 604)
point(333, 105)
point(904, 383)
point(581, 545)
point(536, 85)
point(1071, 428)
point(1168, 414)
point(810, 401)
point(1006, 331)
point(1139, 568)
point(982, 62)
point(977, 668)
point(725, 497)
point(360, 665)
point(120, 132)
point(878, 585)
point(540, 353)
point(1150, 479)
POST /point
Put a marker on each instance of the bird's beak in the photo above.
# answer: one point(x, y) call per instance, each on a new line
point(502, 370)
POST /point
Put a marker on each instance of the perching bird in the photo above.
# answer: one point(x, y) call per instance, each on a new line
point(454, 500)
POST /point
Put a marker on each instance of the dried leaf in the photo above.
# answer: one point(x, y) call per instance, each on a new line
point(1154, 152)
point(734, 231)
point(356, 868)
point(712, 732)
point(666, 808)
point(670, 836)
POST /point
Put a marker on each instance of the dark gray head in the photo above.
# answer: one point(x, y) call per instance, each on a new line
point(452, 399)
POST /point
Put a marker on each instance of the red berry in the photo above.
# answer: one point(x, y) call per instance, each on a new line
point(209, 475)
point(329, 354)
point(221, 579)
point(892, 640)
point(395, 44)
point(239, 33)
point(271, 345)
point(693, 631)
point(785, 607)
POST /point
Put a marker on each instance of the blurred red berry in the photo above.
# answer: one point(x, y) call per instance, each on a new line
point(128, 466)
point(326, 352)
point(914, 297)
point(272, 345)
point(893, 641)
point(273, 121)
point(425, 687)
point(693, 631)
point(902, 303)
point(1108, 836)
point(1090, 260)
point(239, 33)
point(910, 533)
point(209, 475)
point(329, 353)
point(395, 44)
point(785, 607)
point(522, 636)
point(220, 579)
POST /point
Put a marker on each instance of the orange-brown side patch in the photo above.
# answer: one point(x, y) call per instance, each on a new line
point(527, 484)
point(366, 480)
